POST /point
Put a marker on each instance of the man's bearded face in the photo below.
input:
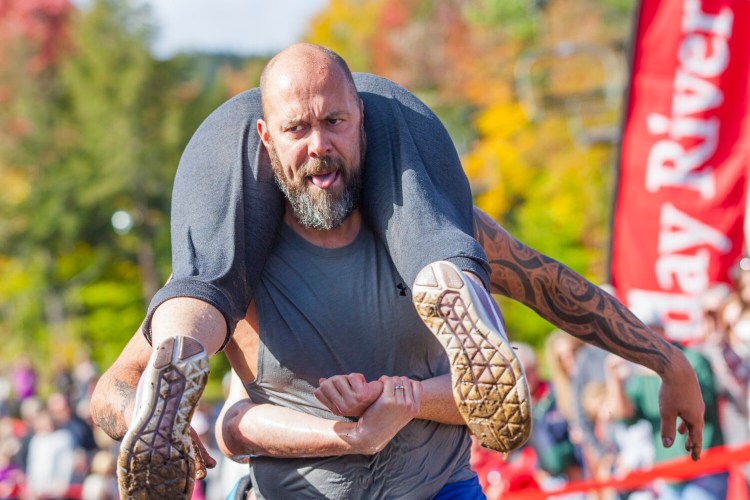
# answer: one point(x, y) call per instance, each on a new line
point(322, 208)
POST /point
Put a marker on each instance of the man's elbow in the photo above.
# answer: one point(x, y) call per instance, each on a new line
point(105, 416)
point(228, 435)
point(220, 432)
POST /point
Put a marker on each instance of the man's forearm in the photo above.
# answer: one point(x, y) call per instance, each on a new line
point(566, 299)
point(438, 403)
point(247, 429)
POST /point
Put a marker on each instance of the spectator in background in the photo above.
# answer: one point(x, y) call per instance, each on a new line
point(84, 374)
point(51, 459)
point(558, 459)
point(588, 375)
point(23, 378)
point(5, 392)
point(11, 475)
point(631, 442)
point(730, 370)
point(62, 377)
point(64, 417)
point(560, 352)
point(634, 395)
point(101, 483)
point(501, 473)
point(740, 276)
point(29, 409)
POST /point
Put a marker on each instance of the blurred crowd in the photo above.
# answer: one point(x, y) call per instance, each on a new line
point(50, 449)
point(595, 417)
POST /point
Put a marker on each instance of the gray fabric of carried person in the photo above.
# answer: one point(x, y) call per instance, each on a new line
point(226, 208)
point(324, 312)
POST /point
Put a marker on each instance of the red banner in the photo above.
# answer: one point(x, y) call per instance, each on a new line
point(680, 201)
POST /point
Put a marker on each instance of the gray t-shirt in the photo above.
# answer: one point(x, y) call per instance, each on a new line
point(325, 312)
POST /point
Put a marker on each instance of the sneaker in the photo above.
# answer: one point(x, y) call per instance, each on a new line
point(156, 458)
point(489, 384)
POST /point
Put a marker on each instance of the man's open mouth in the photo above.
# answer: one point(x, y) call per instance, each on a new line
point(324, 180)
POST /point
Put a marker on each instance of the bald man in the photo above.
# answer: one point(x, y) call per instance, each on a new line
point(317, 133)
point(227, 209)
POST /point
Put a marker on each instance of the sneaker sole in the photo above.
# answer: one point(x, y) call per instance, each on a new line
point(156, 459)
point(489, 384)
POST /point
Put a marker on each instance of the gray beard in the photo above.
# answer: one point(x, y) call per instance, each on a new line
point(322, 212)
point(320, 209)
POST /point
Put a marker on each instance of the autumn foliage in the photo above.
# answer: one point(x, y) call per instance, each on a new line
point(538, 146)
point(91, 123)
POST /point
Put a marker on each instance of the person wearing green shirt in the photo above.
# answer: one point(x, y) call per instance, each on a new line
point(633, 395)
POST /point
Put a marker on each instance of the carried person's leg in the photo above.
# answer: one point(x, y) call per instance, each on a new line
point(417, 198)
point(416, 195)
point(226, 210)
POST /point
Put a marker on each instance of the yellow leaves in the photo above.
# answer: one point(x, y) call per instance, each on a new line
point(531, 177)
point(16, 186)
point(348, 27)
point(502, 120)
point(496, 168)
point(15, 277)
point(69, 264)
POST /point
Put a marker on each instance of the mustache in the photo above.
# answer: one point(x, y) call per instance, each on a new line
point(315, 166)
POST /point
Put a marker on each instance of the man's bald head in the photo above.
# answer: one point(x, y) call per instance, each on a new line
point(300, 63)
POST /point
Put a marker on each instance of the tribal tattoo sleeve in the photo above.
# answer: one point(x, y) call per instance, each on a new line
point(565, 298)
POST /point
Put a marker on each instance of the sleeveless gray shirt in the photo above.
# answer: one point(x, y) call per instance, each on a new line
point(325, 312)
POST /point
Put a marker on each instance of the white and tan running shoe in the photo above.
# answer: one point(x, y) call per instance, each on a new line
point(156, 459)
point(489, 384)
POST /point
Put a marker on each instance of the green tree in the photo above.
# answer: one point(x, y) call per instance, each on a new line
point(102, 132)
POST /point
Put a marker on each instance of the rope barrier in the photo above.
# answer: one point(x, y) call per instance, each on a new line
point(721, 458)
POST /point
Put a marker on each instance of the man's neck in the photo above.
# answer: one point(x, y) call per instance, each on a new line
point(333, 238)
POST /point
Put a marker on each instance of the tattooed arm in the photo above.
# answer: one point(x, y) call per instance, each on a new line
point(585, 311)
point(114, 395)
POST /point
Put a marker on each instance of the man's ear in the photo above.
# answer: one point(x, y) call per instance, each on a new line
point(263, 131)
point(362, 110)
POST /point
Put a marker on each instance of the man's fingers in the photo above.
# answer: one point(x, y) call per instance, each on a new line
point(695, 440)
point(374, 389)
point(336, 392)
point(200, 464)
point(667, 430)
point(356, 382)
point(695, 452)
point(693, 447)
point(682, 428)
point(325, 401)
point(203, 460)
point(399, 389)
